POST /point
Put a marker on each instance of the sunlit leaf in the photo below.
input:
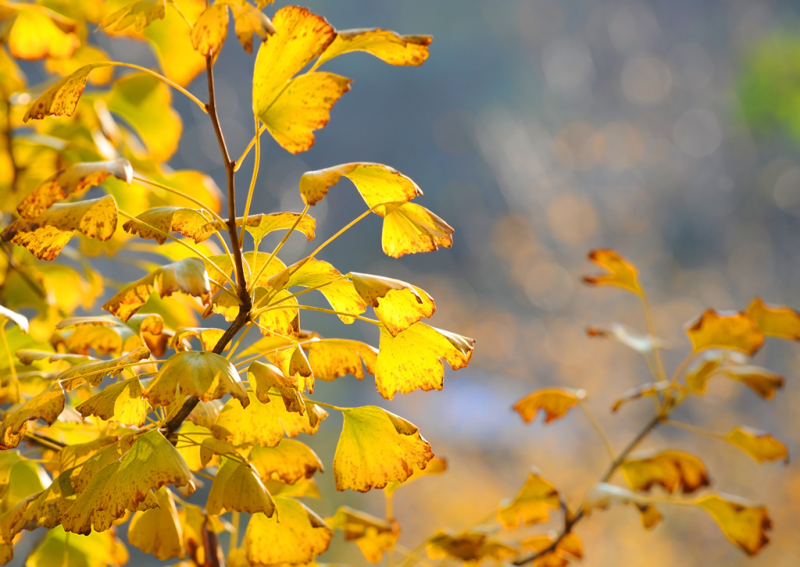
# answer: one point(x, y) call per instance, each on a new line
point(377, 447)
point(268, 378)
point(531, 505)
point(376, 183)
point(397, 304)
point(469, 546)
point(387, 46)
point(249, 22)
point(435, 466)
point(725, 330)
point(744, 523)
point(85, 55)
point(90, 458)
point(205, 375)
point(73, 180)
point(774, 320)
point(97, 549)
point(187, 276)
point(170, 39)
point(210, 30)
point(158, 531)
point(121, 403)
point(62, 98)
point(37, 32)
point(193, 223)
point(93, 372)
point(48, 233)
point(258, 226)
point(640, 343)
point(672, 470)
point(372, 535)
point(238, 487)
point(208, 337)
point(46, 508)
point(621, 273)
point(137, 14)
point(411, 229)
point(331, 358)
point(46, 406)
point(554, 402)
point(758, 444)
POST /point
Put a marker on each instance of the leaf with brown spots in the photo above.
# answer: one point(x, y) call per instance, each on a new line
point(121, 403)
point(249, 23)
point(372, 535)
point(411, 229)
point(744, 523)
point(760, 445)
point(269, 378)
point(289, 461)
point(377, 183)
point(62, 98)
point(93, 372)
point(194, 223)
point(531, 505)
point(137, 14)
point(388, 46)
point(731, 330)
point(397, 304)
point(258, 226)
point(210, 30)
point(46, 406)
point(332, 358)
point(208, 337)
point(621, 273)
point(237, 487)
point(554, 402)
point(672, 470)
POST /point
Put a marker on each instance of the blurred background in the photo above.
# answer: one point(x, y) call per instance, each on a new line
point(541, 129)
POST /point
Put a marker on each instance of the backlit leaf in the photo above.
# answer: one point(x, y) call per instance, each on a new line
point(742, 522)
point(187, 276)
point(775, 321)
point(289, 461)
point(48, 233)
point(258, 226)
point(208, 337)
point(73, 180)
point(158, 531)
point(725, 330)
point(238, 487)
point(205, 375)
point(62, 98)
point(413, 359)
point(376, 183)
point(386, 45)
point(554, 402)
point(121, 402)
point(268, 378)
point(397, 304)
point(93, 372)
point(331, 358)
point(170, 40)
point(294, 535)
point(621, 273)
point(411, 229)
point(97, 549)
point(37, 32)
point(758, 444)
point(137, 14)
point(85, 55)
point(210, 30)
point(46, 406)
point(375, 448)
point(672, 470)
point(293, 363)
point(372, 535)
point(249, 22)
point(469, 546)
point(435, 466)
point(531, 505)
point(189, 222)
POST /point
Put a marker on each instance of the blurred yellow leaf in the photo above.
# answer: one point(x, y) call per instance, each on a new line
point(20, 320)
point(97, 549)
point(725, 330)
point(72, 181)
point(170, 40)
point(569, 547)
point(62, 98)
point(137, 14)
point(411, 229)
point(603, 495)
point(84, 55)
point(376, 183)
point(48, 233)
point(758, 444)
point(413, 359)
point(187, 276)
point(762, 381)
point(121, 402)
point(397, 304)
point(46, 406)
point(261, 225)
point(12, 79)
point(294, 535)
point(289, 461)
point(775, 321)
point(372, 535)
point(672, 470)
point(386, 45)
point(37, 32)
point(189, 222)
point(248, 22)
point(643, 344)
point(469, 546)
point(210, 30)
point(435, 466)
point(331, 358)
point(621, 272)
point(205, 375)
point(375, 448)
point(742, 522)
point(554, 402)
point(650, 390)
point(238, 487)
point(531, 505)
point(158, 531)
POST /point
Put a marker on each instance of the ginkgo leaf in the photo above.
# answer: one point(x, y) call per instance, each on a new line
point(760, 445)
point(268, 377)
point(73, 180)
point(372, 535)
point(294, 535)
point(411, 229)
point(36, 32)
point(205, 375)
point(762, 381)
point(294, 365)
point(28, 357)
point(731, 330)
point(20, 320)
point(602, 495)
point(249, 22)
point(413, 359)
point(640, 343)
point(469, 546)
point(46, 406)
point(386, 45)
point(650, 390)
point(90, 458)
point(531, 505)
point(568, 547)
point(289, 461)
point(137, 14)
point(121, 403)
point(621, 273)
point(46, 508)
point(94, 372)
point(264, 424)
point(210, 30)
point(331, 358)
point(208, 337)
point(171, 42)
point(554, 402)
point(397, 304)
point(377, 184)
point(85, 54)
point(255, 262)
point(205, 413)
point(237, 487)
point(774, 320)
point(97, 549)
point(62, 98)
point(672, 470)
point(435, 466)
point(199, 530)
point(377, 447)
point(193, 223)
point(258, 226)
point(158, 531)
point(187, 276)
point(48, 233)
point(126, 484)
point(744, 523)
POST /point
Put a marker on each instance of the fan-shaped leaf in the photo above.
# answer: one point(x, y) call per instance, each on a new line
point(121, 403)
point(554, 402)
point(774, 320)
point(468, 546)
point(62, 98)
point(386, 45)
point(249, 22)
point(531, 505)
point(725, 330)
point(673, 470)
point(261, 225)
point(331, 358)
point(238, 487)
point(758, 444)
point(189, 222)
point(289, 461)
point(137, 14)
point(158, 531)
point(210, 30)
point(744, 523)
point(46, 406)
point(372, 535)
point(377, 184)
point(602, 495)
point(410, 229)
point(208, 337)
point(397, 304)
point(94, 372)
point(621, 273)
point(268, 378)
point(650, 390)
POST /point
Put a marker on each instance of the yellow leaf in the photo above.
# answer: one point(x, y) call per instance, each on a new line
point(775, 321)
point(412, 360)
point(249, 22)
point(640, 343)
point(397, 304)
point(331, 358)
point(187, 276)
point(158, 531)
point(205, 375)
point(37, 32)
point(377, 447)
point(46, 509)
point(238, 487)
point(12, 79)
point(48, 233)
point(725, 330)
point(673, 470)
point(210, 30)
point(62, 98)
point(568, 547)
point(650, 390)
point(137, 14)
point(377, 184)
point(254, 261)
point(264, 424)
point(386, 45)
point(602, 495)
point(46, 406)
point(758, 444)
point(208, 337)
point(189, 222)
point(97, 549)
point(198, 530)
point(267, 377)
point(372, 535)
point(621, 273)
point(121, 402)
point(123, 485)
point(84, 55)
point(571, 544)
point(531, 505)
point(72, 181)
point(173, 46)
point(469, 546)
point(762, 381)
point(337, 289)
point(90, 458)
point(289, 461)
point(261, 225)
point(294, 535)
point(410, 229)
point(744, 523)
point(435, 466)
point(293, 363)
point(95, 371)
point(554, 402)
